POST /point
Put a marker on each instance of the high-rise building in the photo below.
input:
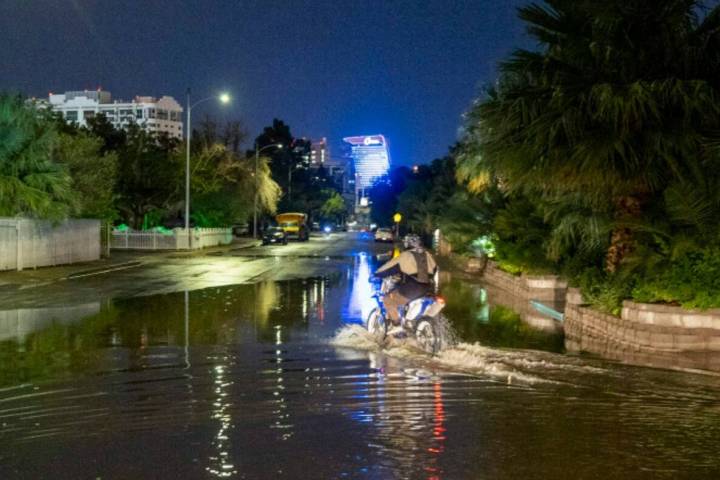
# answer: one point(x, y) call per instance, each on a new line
point(319, 153)
point(371, 160)
point(158, 115)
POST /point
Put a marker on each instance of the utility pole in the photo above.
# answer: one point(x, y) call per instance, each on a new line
point(255, 201)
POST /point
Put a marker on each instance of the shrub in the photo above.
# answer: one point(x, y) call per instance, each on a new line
point(691, 280)
point(604, 291)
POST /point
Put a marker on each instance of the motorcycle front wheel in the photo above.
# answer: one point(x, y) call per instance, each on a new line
point(376, 324)
point(426, 335)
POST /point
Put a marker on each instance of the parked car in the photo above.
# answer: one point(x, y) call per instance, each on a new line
point(384, 235)
point(241, 229)
point(274, 235)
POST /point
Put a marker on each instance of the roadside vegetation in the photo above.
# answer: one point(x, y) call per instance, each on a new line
point(595, 156)
point(55, 170)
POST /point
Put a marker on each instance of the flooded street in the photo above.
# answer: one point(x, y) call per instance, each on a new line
point(277, 379)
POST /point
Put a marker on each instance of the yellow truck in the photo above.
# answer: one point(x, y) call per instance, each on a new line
point(294, 225)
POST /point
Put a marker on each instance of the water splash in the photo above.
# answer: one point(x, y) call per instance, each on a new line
point(463, 357)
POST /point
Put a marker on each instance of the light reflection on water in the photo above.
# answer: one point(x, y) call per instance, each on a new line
point(241, 382)
point(361, 290)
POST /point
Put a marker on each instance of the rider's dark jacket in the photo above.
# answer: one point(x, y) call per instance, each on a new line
point(416, 269)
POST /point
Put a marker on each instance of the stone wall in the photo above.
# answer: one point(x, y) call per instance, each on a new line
point(516, 292)
point(646, 334)
point(549, 289)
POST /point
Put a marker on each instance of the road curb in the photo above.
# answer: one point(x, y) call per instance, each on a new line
point(101, 270)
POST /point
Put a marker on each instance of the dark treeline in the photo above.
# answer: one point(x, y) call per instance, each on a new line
point(594, 156)
point(52, 169)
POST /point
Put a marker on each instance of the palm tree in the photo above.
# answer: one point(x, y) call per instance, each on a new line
point(620, 101)
point(31, 184)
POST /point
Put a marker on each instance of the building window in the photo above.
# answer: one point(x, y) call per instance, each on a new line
point(151, 113)
point(162, 114)
point(138, 114)
point(88, 114)
point(71, 116)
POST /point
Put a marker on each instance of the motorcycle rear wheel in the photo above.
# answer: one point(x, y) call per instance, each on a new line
point(427, 336)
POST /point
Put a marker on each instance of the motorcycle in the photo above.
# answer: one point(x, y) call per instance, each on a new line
point(418, 318)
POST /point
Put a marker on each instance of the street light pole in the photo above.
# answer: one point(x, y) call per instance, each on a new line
point(187, 173)
point(257, 183)
point(224, 98)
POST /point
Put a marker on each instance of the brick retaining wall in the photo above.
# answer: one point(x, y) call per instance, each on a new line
point(647, 334)
point(545, 288)
point(516, 291)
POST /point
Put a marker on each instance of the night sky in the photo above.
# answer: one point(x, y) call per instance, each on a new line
point(406, 69)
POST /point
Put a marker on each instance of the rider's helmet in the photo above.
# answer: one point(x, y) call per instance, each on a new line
point(412, 241)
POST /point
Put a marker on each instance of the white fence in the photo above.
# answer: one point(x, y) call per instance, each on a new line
point(177, 240)
point(28, 243)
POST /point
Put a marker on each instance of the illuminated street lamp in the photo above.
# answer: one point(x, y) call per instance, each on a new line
point(397, 218)
point(257, 184)
point(223, 98)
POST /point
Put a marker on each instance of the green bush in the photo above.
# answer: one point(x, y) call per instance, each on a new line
point(604, 291)
point(691, 280)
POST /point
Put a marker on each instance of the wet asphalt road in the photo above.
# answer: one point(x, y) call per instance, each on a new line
point(166, 273)
point(251, 363)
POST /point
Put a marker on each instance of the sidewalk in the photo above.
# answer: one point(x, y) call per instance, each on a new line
point(119, 260)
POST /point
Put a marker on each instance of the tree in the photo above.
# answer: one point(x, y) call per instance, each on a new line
point(223, 182)
point(150, 175)
point(303, 187)
point(618, 105)
point(31, 183)
point(384, 195)
point(93, 173)
point(282, 160)
point(113, 138)
point(334, 207)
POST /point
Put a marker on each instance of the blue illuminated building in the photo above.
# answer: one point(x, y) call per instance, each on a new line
point(371, 160)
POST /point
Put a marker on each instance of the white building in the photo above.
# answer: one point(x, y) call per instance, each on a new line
point(158, 115)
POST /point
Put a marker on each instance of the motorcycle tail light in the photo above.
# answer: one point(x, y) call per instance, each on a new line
point(440, 300)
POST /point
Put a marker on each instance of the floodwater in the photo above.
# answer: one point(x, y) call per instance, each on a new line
point(278, 380)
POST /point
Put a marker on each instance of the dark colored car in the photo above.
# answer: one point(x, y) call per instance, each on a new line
point(274, 235)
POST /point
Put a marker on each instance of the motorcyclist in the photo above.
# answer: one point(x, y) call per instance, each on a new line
point(416, 269)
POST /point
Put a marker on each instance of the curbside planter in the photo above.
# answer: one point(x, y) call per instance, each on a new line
point(655, 335)
point(574, 297)
point(516, 292)
point(544, 288)
point(646, 334)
